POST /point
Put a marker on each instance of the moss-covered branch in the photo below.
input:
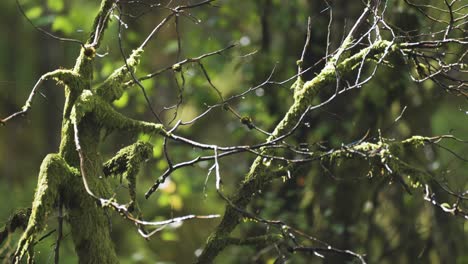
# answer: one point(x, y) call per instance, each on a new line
point(100, 23)
point(257, 178)
point(106, 116)
point(111, 89)
point(126, 164)
point(60, 176)
point(380, 155)
point(53, 173)
point(64, 77)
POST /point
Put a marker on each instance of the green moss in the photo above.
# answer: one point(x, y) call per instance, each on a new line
point(53, 172)
point(297, 86)
point(101, 21)
point(112, 88)
point(89, 225)
point(84, 66)
point(259, 175)
point(107, 117)
point(416, 141)
point(126, 164)
point(366, 146)
point(59, 175)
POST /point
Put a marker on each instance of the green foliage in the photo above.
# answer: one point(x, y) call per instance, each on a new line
point(63, 24)
point(55, 5)
point(34, 12)
point(340, 204)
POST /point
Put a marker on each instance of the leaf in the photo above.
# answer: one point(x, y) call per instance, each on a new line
point(122, 102)
point(55, 5)
point(44, 20)
point(34, 12)
point(176, 202)
point(63, 24)
point(169, 236)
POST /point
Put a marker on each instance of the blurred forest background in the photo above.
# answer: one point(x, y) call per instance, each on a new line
point(342, 206)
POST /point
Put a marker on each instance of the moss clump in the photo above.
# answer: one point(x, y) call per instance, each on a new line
point(112, 88)
point(126, 164)
point(416, 141)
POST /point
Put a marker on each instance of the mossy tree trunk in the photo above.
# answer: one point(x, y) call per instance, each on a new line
point(65, 176)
